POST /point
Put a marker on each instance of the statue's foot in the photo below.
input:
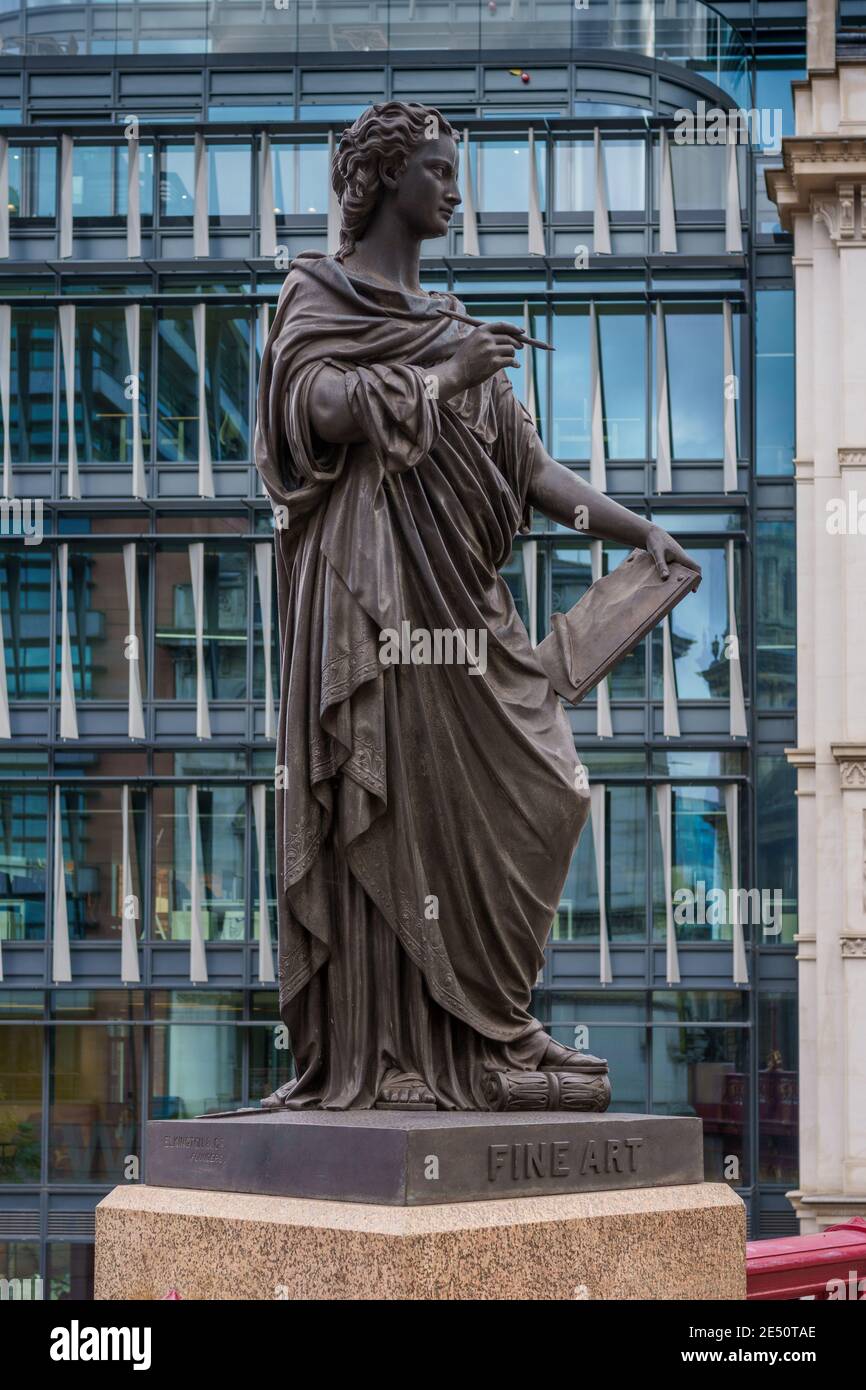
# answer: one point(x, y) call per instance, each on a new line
point(278, 1098)
point(404, 1090)
point(560, 1058)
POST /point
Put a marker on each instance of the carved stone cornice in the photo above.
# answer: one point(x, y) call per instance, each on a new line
point(819, 175)
point(851, 758)
point(851, 458)
point(853, 947)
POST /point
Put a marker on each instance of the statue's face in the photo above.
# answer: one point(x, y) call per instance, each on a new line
point(426, 192)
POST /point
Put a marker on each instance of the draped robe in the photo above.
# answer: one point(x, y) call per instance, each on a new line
point(426, 813)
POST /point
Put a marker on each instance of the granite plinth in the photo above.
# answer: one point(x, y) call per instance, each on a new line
point(405, 1158)
point(685, 1242)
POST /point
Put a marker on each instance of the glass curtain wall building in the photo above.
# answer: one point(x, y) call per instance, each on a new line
point(158, 168)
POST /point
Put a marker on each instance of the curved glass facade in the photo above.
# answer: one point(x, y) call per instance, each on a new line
point(683, 32)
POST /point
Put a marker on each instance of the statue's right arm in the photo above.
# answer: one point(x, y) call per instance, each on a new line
point(479, 355)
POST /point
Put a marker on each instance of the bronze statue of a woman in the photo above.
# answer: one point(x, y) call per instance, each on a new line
point(427, 810)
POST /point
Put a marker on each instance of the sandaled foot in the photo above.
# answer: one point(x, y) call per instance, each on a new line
point(404, 1090)
point(560, 1058)
point(278, 1098)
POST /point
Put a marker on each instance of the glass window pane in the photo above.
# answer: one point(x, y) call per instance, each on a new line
point(23, 857)
point(32, 180)
point(701, 866)
point(571, 386)
point(92, 180)
point(501, 171)
point(92, 822)
point(98, 618)
point(777, 842)
point(574, 175)
point(145, 180)
point(778, 1089)
point(195, 1068)
point(70, 1271)
point(32, 384)
point(695, 380)
point(699, 627)
point(20, 1263)
point(776, 614)
point(25, 587)
point(221, 850)
point(177, 387)
point(622, 334)
point(227, 382)
point(705, 1072)
point(177, 181)
point(20, 1102)
point(95, 1085)
point(103, 414)
point(624, 174)
point(300, 179)
point(225, 625)
point(699, 175)
point(774, 382)
point(229, 180)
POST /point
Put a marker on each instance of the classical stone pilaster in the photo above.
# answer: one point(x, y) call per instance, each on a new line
point(821, 196)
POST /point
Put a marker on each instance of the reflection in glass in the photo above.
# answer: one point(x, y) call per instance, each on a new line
point(32, 180)
point(225, 625)
point(20, 1102)
point(194, 1068)
point(699, 628)
point(94, 1084)
point(775, 614)
point(229, 168)
point(92, 827)
point(32, 384)
point(23, 854)
point(70, 1271)
point(570, 368)
point(774, 382)
point(693, 340)
point(221, 853)
point(25, 587)
point(103, 410)
point(775, 792)
point(98, 617)
point(622, 345)
point(577, 917)
point(701, 865)
point(778, 1088)
point(300, 178)
point(704, 1072)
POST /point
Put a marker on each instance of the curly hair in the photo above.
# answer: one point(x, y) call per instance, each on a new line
point(389, 131)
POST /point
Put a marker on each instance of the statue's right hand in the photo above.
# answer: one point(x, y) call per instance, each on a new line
point(480, 355)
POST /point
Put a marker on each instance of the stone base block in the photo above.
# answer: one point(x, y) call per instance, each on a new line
point(685, 1242)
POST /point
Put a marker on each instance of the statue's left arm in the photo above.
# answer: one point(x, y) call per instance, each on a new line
point(566, 498)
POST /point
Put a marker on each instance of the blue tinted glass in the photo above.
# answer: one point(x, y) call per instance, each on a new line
point(774, 382)
point(776, 617)
point(622, 334)
point(698, 628)
point(300, 179)
point(570, 369)
point(694, 357)
point(177, 181)
point(773, 90)
point(229, 180)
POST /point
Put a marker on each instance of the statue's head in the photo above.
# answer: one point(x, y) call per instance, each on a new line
point(402, 151)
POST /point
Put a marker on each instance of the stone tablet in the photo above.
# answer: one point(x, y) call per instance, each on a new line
point(418, 1159)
